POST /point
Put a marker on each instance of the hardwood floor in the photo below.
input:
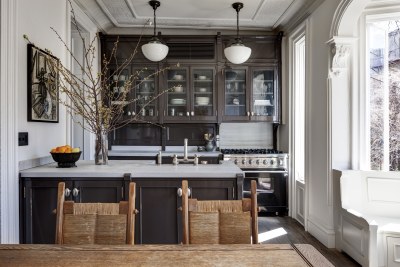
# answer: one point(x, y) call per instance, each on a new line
point(296, 234)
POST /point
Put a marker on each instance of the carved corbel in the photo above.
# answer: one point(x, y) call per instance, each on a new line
point(339, 58)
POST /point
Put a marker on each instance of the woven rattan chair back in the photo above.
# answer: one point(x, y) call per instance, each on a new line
point(95, 223)
point(219, 221)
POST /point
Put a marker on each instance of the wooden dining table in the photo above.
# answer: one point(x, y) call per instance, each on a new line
point(284, 255)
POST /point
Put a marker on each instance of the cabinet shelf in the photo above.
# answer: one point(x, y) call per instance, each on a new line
point(233, 105)
point(119, 102)
point(237, 93)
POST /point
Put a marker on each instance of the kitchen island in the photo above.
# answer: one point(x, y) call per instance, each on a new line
point(157, 194)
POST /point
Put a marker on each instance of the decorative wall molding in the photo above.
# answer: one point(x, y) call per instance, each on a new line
point(337, 17)
point(325, 236)
point(9, 219)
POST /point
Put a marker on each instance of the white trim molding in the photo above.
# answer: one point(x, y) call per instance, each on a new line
point(9, 217)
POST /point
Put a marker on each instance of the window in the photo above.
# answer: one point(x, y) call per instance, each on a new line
point(299, 55)
point(383, 101)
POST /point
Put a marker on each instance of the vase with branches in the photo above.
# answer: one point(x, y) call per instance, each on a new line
point(90, 96)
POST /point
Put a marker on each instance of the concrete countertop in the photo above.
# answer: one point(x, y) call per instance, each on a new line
point(142, 151)
point(128, 153)
point(137, 169)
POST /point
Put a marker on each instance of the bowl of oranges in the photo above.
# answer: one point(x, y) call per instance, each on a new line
point(66, 156)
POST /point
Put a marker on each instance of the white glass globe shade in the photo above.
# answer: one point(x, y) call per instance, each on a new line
point(237, 53)
point(155, 51)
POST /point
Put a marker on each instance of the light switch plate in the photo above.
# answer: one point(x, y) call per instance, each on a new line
point(23, 139)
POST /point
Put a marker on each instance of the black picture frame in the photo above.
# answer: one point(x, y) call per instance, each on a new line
point(43, 86)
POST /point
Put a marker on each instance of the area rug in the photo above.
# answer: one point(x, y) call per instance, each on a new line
point(312, 255)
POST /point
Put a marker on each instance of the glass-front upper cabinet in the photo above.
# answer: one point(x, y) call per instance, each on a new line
point(177, 95)
point(203, 106)
point(235, 95)
point(191, 94)
point(145, 92)
point(263, 100)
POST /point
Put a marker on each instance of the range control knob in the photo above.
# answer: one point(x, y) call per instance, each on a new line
point(243, 161)
point(250, 161)
point(265, 162)
point(236, 161)
point(258, 162)
point(280, 162)
point(271, 162)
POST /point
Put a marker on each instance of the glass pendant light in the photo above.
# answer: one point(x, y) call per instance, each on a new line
point(154, 50)
point(237, 52)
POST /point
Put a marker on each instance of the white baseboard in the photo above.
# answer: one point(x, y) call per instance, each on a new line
point(325, 236)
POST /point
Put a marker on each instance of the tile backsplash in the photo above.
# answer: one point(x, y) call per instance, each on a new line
point(246, 135)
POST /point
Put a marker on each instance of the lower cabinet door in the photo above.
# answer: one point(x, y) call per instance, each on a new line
point(158, 220)
point(38, 212)
point(39, 203)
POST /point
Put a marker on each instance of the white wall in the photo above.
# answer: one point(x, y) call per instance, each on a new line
point(35, 19)
point(319, 212)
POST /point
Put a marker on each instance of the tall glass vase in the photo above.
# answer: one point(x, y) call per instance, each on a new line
point(101, 149)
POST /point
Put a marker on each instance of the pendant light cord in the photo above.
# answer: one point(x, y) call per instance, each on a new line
point(237, 23)
point(155, 23)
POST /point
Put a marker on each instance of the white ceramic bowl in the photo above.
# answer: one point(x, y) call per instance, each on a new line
point(202, 100)
point(178, 101)
point(202, 90)
point(178, 89)
point(178, 77)
point(202, 77)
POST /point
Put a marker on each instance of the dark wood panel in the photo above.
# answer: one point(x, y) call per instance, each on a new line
point(99, 191)
point(176, 133)
point(158, 221)
point(136, 134)
point(40, 201)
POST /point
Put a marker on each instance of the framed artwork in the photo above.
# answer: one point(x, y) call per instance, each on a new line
point(43, 83)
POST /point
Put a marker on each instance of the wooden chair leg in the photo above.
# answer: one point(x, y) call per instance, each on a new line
point(130, 238)
point(60, 212)
point(254, 212)
point(185, 212)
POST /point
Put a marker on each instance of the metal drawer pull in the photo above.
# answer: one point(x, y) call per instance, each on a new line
point(67, 192)
point(179, 192)
point(75, 192)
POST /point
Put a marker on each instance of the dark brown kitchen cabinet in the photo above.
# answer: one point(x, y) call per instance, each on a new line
point(159, 220)
point(38, 202)
point(191, 94)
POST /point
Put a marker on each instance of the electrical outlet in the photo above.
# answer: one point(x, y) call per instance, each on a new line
point(23, 139)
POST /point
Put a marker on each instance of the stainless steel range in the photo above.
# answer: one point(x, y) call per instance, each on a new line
point(269, 168)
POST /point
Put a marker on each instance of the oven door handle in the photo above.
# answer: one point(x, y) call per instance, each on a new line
point(265, 172)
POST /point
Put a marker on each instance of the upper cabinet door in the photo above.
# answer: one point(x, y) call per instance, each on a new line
point(119, 94)
point(264, 94)
point(177, 97)
point(203, 97)
point(235, 95)
point(145, 92)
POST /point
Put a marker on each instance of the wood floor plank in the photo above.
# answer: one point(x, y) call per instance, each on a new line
point(297, 235)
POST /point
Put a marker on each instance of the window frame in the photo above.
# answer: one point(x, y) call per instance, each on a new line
point(373, 15)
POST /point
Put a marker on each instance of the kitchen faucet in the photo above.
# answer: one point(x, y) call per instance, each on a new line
point(175, 160)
